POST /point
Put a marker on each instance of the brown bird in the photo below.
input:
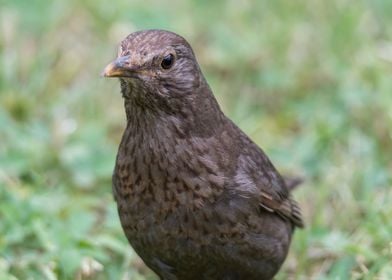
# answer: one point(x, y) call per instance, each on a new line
point(197, 199)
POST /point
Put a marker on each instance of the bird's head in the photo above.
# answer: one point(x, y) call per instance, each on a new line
point(155, 64)
point(159, 76)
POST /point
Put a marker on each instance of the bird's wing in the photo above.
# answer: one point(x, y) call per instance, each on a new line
point(287, 208)
point(256, 176)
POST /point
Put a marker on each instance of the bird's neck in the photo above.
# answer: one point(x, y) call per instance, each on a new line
point(198, 115)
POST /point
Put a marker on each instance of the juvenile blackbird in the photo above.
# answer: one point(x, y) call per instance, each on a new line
point(197, 199)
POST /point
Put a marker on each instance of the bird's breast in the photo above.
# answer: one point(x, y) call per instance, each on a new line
point(161, 187)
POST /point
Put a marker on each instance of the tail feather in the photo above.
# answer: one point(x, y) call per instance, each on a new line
point(292, 182)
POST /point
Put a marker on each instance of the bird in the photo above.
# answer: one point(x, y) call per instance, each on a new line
point(196, 197)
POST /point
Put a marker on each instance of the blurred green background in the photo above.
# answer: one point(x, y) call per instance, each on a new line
point(309, 81)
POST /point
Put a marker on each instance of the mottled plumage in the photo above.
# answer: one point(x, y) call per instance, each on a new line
point(196, 197)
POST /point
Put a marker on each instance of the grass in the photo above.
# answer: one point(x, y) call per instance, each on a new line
point(310, 81)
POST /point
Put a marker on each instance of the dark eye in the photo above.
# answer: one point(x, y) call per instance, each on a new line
point(167, 61)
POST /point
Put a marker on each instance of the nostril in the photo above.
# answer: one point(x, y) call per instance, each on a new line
point(123, 60)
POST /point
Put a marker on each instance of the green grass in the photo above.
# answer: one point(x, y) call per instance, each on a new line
point(310, 81)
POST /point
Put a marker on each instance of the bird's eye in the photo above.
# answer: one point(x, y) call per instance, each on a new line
point(167, 61)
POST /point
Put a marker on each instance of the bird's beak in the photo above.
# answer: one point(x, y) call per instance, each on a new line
point(120, 67)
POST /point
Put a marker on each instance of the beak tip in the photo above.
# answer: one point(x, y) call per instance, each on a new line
point(109, 71)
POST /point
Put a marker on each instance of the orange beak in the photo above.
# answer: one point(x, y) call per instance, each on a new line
point(118, 68)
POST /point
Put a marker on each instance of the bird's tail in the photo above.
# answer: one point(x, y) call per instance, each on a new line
point(292, 182)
